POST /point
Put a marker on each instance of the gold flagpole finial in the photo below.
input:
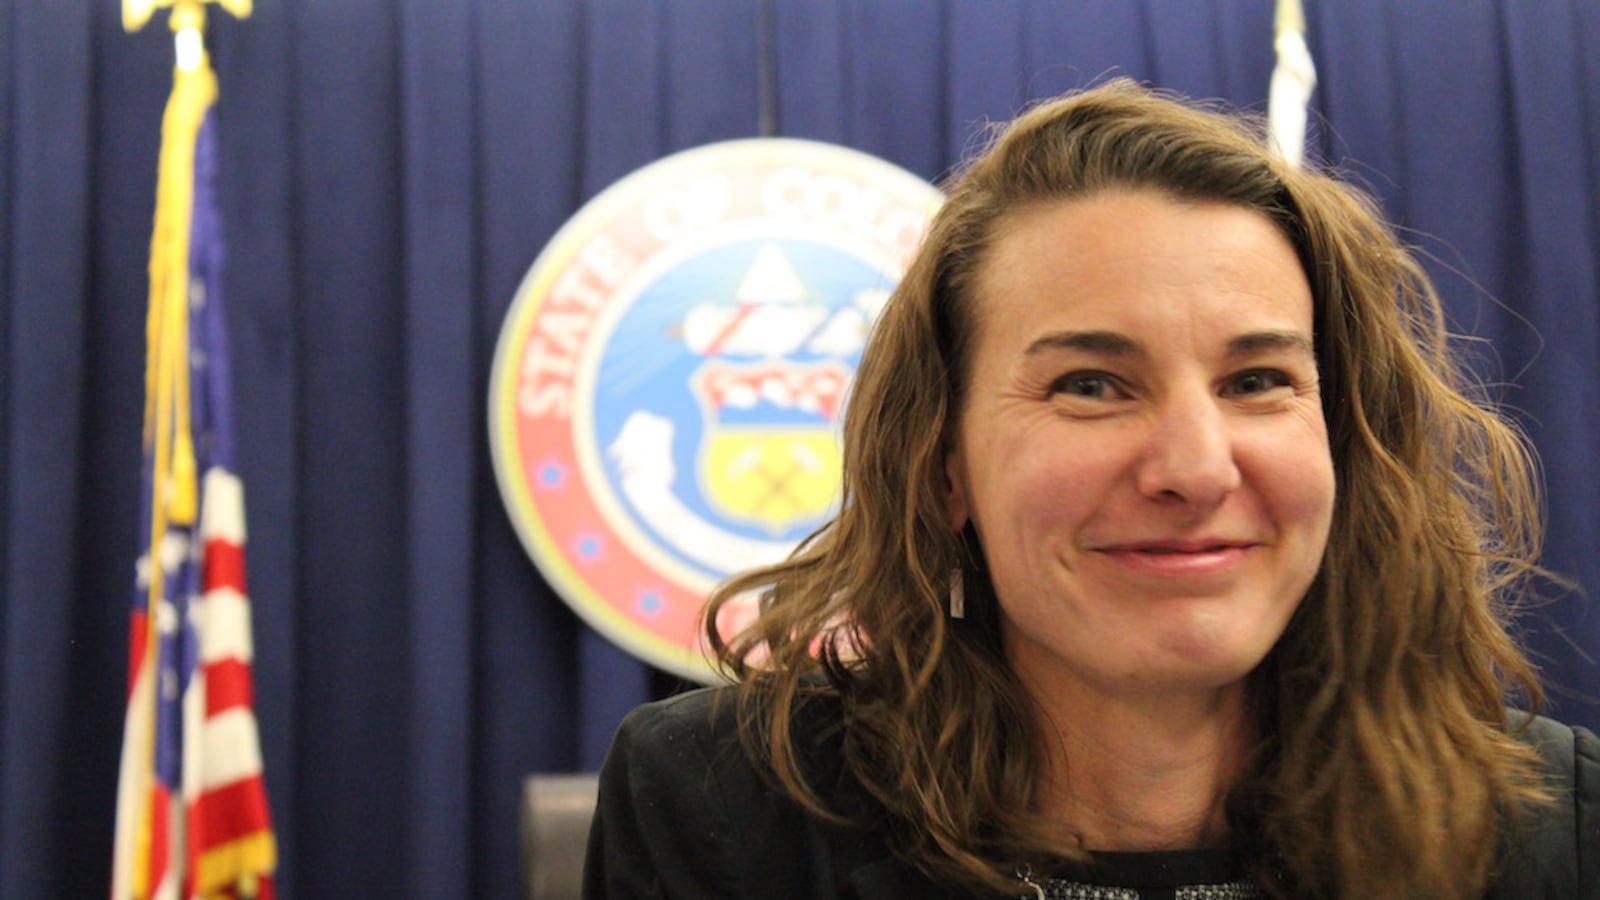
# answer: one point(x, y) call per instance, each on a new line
point(185, 13)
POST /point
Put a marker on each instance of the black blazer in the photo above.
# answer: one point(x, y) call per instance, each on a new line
point(682, 813)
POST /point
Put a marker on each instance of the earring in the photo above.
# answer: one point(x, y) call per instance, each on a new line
point(958, 594)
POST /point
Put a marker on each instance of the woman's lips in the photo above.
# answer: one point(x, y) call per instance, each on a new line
point(1179, 557)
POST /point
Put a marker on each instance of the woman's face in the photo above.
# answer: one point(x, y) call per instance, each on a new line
point(1142, 447)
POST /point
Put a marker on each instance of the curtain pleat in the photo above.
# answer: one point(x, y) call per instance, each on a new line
point(1183, 48)
point(49, 269)
point(709, 52)
point(1355, 100)
point(1556, 287)
point(444, 424)
point(1243, 61)
point(389, 173)
point(979, 32)
point(531, 83)
point(623, 105)
point(814, 75)
point(1075, 45)
point(353, 483)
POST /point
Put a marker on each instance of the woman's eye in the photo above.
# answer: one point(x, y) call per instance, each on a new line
point(1091, 385)
point(1257, 381)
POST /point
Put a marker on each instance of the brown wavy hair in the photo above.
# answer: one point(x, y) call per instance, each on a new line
point(1388, 766)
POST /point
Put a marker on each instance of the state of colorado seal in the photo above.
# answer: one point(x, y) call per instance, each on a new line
point(665, 395)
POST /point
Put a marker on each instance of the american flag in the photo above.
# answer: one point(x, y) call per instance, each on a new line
point(192, 817)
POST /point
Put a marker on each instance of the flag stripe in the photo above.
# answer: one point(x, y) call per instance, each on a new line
point(232, 748)
point(132, 783)
point(139, 631)
point(228, 686)
point(227, 631)
point(224, 565)
point(160, 835)
point(227, 811)
point(225, 508)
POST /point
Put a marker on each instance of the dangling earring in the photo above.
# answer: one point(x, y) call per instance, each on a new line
point(958, 594)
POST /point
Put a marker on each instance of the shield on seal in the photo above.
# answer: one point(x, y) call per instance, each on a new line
point(771, 477)
point(769, 454)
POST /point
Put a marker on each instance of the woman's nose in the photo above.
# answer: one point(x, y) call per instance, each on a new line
point(1190, 457)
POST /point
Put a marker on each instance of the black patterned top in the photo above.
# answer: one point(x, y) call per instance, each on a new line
point(1167, 875)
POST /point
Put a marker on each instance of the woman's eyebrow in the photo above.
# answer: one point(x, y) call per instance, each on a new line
point(1264, 341)
point(1102, 343)
point(1111, 343)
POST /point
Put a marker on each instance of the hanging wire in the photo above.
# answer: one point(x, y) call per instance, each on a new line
point(767, 71)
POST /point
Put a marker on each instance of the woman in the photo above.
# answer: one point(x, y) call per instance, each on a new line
point(1173, 560)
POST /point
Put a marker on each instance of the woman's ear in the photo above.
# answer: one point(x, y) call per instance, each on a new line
point(956, 506)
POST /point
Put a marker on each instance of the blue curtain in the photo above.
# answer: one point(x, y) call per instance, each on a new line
point(389, 172)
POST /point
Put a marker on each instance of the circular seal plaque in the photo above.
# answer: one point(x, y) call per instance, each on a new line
point(665, 398)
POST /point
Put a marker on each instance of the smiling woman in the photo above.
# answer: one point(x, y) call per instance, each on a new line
point(1174, 558)
point(1148, 474)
